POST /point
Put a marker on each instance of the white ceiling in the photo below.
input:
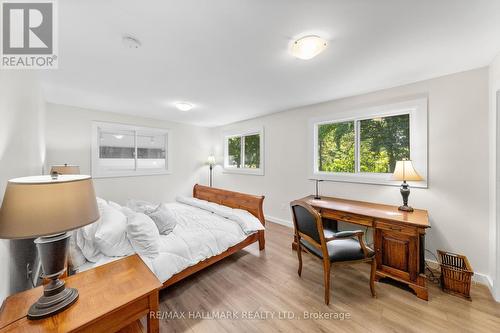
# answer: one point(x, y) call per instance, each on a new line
point(230, 58)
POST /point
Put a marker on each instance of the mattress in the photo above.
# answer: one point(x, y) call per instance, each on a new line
point(198, 235)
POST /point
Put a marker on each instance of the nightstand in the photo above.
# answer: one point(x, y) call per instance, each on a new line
point(113, 297)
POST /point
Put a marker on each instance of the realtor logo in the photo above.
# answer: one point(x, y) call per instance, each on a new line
point(28, 35)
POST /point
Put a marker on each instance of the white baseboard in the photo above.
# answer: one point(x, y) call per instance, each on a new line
point(277, 220)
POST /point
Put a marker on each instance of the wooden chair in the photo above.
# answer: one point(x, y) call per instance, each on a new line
point(329, 246)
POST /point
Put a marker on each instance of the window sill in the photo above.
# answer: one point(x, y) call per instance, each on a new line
point(254, 172)
point(366, 178)
point(115, 174)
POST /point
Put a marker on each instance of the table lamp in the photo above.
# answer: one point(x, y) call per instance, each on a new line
point(47, 207)
point(211, 163)
point(404, 171)
point(65, 169)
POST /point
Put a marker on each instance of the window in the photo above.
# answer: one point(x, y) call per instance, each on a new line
point(382, 142)
point(125, 150)
point(364, 145)
point(336, 147)
point(243, 152)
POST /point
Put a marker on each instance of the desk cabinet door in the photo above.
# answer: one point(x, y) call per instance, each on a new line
point(397, 253)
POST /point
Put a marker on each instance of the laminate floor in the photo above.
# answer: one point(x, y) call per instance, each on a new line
point(254, 291)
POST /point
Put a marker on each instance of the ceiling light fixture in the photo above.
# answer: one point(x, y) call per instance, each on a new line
point(308, 47)
point(118, 136)
point(183, 106)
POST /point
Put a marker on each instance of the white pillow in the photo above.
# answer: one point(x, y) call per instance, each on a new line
point(163, 218)
point(75, 255)
point(85, 236)
point(142, 233)
point(195, 202)
point(246, 221)
point(141, 206)
point(101, 203)
point(111, 234)
point(115, 205)
point(85, 240)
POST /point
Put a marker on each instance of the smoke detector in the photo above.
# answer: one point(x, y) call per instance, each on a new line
point(131, 42)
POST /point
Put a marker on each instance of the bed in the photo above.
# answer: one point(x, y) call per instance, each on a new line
point(202, 236)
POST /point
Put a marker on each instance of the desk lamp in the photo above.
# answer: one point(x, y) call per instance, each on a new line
point(404, 171)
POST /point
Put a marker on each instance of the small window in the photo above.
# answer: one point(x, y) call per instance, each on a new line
point(124, 150)
point(364, 145)
point(243, 152)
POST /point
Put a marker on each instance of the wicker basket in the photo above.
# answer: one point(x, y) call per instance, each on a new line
point(456, 273)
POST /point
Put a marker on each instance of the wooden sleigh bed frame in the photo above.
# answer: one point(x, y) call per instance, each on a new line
point(251, 203)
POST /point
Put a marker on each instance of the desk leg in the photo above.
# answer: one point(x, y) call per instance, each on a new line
point(153, 321)
point(420, 291)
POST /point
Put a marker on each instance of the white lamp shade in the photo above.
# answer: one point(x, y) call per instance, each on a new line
point(65, 169)
point(404, 170)
point(40, 206)
point(211, 160)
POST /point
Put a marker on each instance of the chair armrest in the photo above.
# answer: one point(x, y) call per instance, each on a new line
point(351, 234)
point(345, 234)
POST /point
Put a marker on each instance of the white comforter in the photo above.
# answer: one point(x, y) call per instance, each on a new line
point(198, 235)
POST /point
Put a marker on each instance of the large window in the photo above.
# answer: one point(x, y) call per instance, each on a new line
point(364, 145)
point(243, 152)
point(382, 142)
point(124, 150)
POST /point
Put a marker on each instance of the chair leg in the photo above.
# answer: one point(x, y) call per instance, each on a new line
point(326, 276)
point(299, 255)
point(372, 277)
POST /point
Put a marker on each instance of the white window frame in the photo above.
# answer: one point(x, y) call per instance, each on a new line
point(247, 171)
point(102, 172)
point(417, 110)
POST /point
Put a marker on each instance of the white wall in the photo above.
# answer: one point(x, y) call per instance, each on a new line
point(21, 154)
point(457, 197)
point(494, 229)
point(69, 141)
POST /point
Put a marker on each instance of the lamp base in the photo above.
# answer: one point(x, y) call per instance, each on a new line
point(47, 306)
point(53, 253)
point(405, 193)
point(406, 208)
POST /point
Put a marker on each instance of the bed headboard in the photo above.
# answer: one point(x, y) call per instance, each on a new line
point(248, 202)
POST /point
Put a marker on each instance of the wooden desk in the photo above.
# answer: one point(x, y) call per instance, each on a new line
point(399, 237)
point(111, 297)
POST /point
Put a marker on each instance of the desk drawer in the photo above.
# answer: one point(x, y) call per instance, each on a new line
point(347, 217)
point(411, 231)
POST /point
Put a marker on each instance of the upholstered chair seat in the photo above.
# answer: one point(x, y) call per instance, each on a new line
point(347, 249)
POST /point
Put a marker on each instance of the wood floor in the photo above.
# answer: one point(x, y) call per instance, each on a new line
point(249, 286)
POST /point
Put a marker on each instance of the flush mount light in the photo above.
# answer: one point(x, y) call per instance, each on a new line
point(183, 106)
point(308, 47)
point(118, 136)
